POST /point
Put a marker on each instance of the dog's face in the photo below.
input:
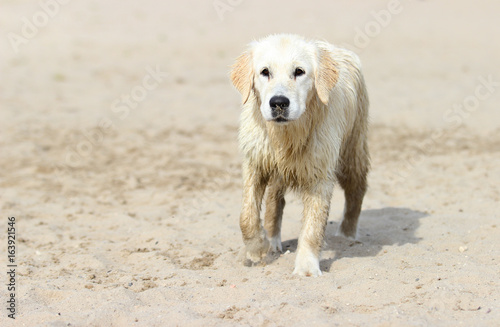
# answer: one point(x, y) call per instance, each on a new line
point(284, 72)
point(283, 77)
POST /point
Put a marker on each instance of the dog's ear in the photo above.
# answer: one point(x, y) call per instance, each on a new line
point(241, 75)
point(326, 74)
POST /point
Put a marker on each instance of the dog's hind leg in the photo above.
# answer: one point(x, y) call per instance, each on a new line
point(275, 203)
point(352, 176)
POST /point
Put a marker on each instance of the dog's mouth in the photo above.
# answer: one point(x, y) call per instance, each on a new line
point(279, 114)
point(280, 119)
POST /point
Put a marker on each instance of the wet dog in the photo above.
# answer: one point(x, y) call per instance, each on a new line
point(303, 127)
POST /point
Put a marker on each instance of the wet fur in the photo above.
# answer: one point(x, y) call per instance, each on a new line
point(326, 145)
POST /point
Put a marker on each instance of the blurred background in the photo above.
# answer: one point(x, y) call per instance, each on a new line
point(68, 60)
point(119, 156)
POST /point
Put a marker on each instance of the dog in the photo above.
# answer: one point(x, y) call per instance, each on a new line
point(303, 126)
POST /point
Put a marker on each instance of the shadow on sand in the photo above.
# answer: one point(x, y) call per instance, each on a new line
point(377, 228)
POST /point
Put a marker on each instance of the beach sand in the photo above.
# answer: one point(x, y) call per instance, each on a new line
point(120, 164)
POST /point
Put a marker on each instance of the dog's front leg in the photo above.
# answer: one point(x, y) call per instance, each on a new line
point(254, 236)
point(316, 208)
point(275, 203)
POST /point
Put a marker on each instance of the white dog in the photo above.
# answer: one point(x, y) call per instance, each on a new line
point(303, 126)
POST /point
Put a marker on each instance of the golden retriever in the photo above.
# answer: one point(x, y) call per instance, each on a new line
point(303, 127)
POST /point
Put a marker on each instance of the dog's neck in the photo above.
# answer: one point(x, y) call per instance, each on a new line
point(291, 139)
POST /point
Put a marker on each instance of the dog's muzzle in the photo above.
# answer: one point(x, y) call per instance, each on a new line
point(279, 108)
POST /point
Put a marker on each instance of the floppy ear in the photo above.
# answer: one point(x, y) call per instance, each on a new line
point(326, 75)
point(241, 75)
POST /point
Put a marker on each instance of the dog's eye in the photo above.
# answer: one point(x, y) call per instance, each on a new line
point(265, 72)
point(298, 72)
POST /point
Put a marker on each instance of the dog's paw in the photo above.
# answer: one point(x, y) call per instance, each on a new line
point(307, 265)
point(275, 244)
point(256, 249)
point(350, 235)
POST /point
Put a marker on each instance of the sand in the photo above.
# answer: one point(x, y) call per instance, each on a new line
point(118, 142)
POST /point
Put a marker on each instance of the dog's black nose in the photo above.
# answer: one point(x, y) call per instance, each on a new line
point(279, 106)
point(279, 101)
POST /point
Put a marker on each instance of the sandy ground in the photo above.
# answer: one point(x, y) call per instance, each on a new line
point(119, 161)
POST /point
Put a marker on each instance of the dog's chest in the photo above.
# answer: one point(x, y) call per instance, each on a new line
point(297, 166)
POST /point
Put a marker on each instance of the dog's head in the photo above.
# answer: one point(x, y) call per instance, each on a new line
point(284, 72)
